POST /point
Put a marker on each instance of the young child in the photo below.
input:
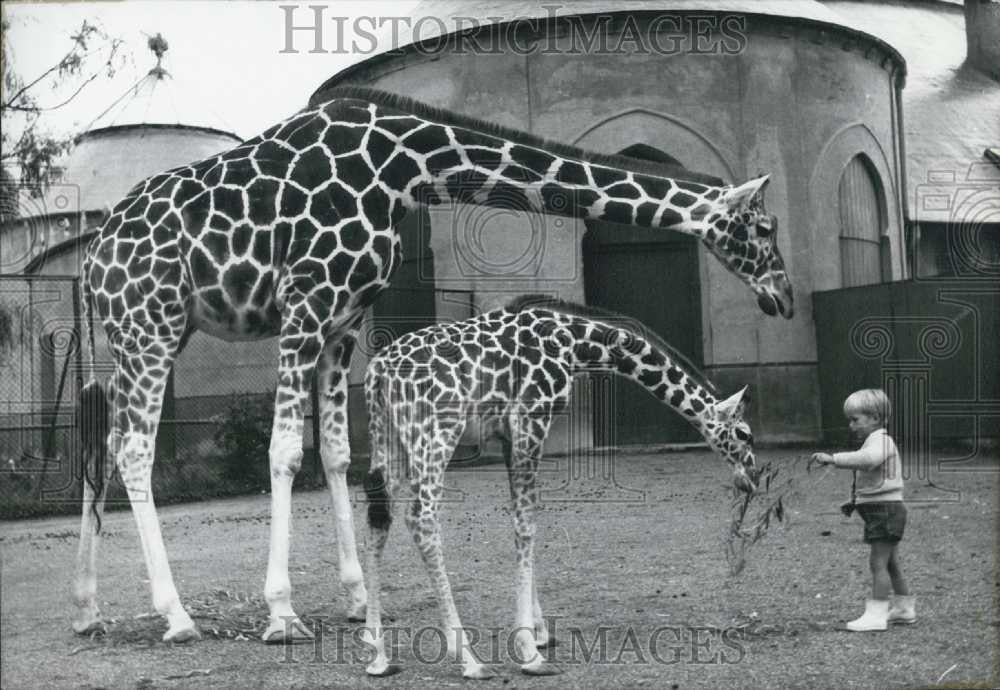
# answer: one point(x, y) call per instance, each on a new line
point(877, 494)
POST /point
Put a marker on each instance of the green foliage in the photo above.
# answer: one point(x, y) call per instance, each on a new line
point(29, 152)
point(243, 437)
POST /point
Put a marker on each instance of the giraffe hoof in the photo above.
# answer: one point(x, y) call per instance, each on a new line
point(181, 635)
point(287, 632)
point(545, 642)
point(540, 668)
point(357, 614)
point(380, 668)
point(88, 625)
point(478, 673)
point(363, 617)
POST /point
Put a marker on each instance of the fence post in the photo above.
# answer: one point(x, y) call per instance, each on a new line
point(78, 330)
point(49, 444)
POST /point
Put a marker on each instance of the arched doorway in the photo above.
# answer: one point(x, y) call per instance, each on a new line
point(864, 250)
point(652, 276)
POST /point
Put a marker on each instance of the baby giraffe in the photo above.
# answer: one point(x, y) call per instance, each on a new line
point(511, 371)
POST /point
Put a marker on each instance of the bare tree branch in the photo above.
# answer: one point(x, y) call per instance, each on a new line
point(69, 64)
point(31, 153)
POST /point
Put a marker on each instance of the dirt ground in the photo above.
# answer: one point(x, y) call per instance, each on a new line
point(630, 569)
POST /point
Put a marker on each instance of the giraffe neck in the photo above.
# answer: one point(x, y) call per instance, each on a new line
point(496, 172)
point(649, 362)
point(431, 157)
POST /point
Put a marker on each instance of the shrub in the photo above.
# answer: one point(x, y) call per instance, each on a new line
point(243, 436)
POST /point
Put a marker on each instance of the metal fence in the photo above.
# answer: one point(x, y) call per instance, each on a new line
point(933, 345)
point(216, 421)
point(39, 364)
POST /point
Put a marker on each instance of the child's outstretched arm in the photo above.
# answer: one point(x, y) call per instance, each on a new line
point(822, 458)
point(868, 457)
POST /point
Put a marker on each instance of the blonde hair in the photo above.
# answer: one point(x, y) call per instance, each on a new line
point(870, 401)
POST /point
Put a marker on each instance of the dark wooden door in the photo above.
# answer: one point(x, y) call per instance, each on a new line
point(408, 303)
point(652, 276)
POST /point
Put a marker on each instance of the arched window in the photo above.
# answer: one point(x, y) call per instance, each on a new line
point(863, 245)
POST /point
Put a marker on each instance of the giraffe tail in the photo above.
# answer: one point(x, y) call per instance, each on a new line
point(376, 481)
point(87, 311)
point(92, 415)
point(92, 418)
point(377, 491)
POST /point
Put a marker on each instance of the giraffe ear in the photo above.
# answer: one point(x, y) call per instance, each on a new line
point(735, 406)
point(738, 197)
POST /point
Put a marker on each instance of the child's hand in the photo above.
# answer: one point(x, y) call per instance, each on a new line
point(822, 458)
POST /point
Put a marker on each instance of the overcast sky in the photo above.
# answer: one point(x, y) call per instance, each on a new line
point(225, 57)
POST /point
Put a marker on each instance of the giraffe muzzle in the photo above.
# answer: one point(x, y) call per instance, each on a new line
point(767, 304)
point(777, 299)
point(786, 302)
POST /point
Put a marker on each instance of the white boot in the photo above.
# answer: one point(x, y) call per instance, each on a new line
point(903, 609)
point(875, 617)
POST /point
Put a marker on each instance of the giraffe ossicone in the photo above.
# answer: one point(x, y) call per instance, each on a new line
point(511, 371)
point(293, 233)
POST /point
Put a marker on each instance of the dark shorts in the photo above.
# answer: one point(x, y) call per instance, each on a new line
point(883, 521)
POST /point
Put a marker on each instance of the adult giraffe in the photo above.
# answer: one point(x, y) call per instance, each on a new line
point(292, 233)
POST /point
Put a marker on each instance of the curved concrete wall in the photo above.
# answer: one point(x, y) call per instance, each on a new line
point(97, 173)
point(106, 163)
point(798, 102)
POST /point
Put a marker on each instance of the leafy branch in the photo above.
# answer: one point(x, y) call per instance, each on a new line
point(25, 147)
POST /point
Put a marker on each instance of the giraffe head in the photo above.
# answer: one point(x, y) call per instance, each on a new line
point(729, 435)
point(743, 236)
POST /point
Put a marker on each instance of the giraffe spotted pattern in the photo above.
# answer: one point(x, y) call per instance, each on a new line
point(509, 371)
point(293, 233)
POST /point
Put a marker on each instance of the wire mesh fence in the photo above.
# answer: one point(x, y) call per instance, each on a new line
point(216, 422)
point(38, 365)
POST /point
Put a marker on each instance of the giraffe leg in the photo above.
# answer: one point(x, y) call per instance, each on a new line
point(297, 361)
point(387, 452)
point(379, 520)
point(88, 617)
point(135, 459)
point(98, 472)
point(335, 451)
point(422, 521)
point(138, 396)
point(542, 638)
point(284, 626)
point(528, 435)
